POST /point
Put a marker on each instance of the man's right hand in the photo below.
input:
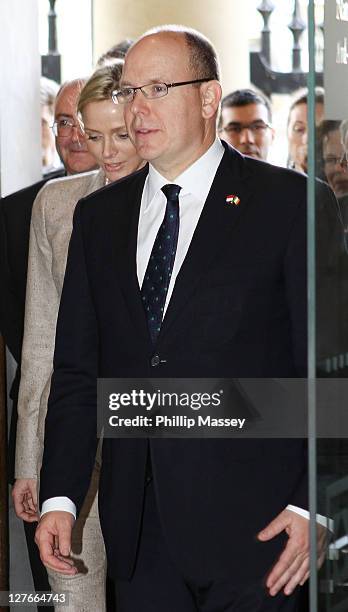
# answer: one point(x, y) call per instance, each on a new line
point(24, 495)
point(53, 537)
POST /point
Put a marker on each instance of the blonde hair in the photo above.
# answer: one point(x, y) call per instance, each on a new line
point(100, 85)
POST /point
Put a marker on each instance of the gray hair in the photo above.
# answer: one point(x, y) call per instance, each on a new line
point(48, 91)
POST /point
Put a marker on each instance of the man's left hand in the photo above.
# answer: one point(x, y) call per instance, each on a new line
point(292, 567)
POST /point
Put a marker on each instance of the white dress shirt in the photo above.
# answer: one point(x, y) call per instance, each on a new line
point(195, 183)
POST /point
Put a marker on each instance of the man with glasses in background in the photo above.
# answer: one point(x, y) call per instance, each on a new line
point(246, 123)
point(70, 141)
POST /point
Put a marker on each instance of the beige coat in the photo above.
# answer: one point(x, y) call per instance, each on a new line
point(50, 232)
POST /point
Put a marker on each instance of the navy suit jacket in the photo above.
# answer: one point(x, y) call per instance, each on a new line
point(238, 309)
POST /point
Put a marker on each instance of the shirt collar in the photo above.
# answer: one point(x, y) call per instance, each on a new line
point(196, 179)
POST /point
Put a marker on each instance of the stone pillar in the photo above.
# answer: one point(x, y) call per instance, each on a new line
point(20, 165)
point(224, 22)
point(20, 138)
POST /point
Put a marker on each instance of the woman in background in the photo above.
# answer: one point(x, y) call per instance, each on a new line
point(51, 226)
point(298, 127)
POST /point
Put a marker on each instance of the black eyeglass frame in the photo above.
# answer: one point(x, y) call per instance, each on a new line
point(72, 125)
point(341, 161)
point(254, 126)
point(168, 86)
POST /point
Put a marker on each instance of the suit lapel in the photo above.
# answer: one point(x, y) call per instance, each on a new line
point(125, 232)
point(217, 222)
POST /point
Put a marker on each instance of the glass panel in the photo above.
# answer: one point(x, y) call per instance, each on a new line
point(328, 299)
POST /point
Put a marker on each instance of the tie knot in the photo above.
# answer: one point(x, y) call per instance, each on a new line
point(171, 191)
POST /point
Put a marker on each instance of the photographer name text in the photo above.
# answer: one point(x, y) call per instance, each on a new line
point(179, 421)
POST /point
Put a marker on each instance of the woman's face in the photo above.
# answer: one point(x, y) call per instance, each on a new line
point(107, 139)
point(297, 134)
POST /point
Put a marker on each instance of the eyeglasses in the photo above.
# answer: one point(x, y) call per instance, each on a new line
point(332, 161)
point(63, 128)
point(257, 128)
point(151, 91)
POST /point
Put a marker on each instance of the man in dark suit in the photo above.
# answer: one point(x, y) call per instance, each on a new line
point(188, 524)
point(15, 215)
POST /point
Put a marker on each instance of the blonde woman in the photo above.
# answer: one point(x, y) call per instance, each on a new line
point(51, 227)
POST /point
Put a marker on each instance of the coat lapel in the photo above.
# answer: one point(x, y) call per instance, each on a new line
point(217, 222)
point(125, 234)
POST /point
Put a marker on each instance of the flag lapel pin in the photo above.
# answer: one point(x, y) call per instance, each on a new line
point(233, 199)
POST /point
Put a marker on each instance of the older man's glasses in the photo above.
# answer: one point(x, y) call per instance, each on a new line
point(151, 91)
point(63, 128)
point(257, 128)
point(331, 161)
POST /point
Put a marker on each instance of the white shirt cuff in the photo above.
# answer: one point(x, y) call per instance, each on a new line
point(322, 520)
point(64, 504)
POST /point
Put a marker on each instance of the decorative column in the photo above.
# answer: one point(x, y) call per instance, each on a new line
point(266, 9)
point(224, 22)
point(297, 26)
point(50, 63)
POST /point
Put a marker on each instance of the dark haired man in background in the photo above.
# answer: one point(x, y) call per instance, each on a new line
point(246, 122)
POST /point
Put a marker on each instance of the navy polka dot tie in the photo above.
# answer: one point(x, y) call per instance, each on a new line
point(160, 266)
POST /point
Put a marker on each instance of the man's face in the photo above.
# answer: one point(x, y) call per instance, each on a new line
point(297, 134)
point(169, 132)
point(332, 155)
point(72, 149)
point(247, 129)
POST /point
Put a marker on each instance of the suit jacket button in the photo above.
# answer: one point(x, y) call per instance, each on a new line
point(155, 361)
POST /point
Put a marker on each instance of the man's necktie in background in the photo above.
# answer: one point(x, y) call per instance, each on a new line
point(159, 269)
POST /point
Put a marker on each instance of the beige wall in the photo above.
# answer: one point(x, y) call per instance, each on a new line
point(225, 22)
